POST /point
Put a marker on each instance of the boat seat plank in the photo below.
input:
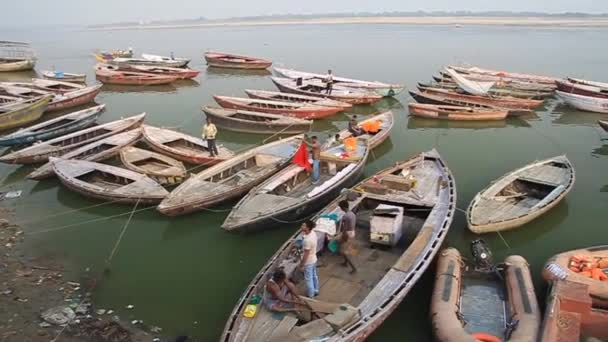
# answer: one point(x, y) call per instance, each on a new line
point(338, 290)
point(406, 261)
point(283, 329)
point(264, 325)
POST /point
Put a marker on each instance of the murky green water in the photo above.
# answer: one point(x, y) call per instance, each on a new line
point(184, 274)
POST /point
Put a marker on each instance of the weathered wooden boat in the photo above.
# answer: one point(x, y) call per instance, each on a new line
point(495, 91)
point(380, 88)
point(256, 122)
point(230, 179)
point(182, 146)
point(107, 76)
point(603, 86)
point(16, 64)
point(180, 73)
point(441, 100)
point(351, 306)
point(143, 61)
point(22, 112)
point(499, 74)
point(571, 316)
point(58, 87)
point(287, 97)
point(107, 182)
point(59, 101)
point(317, 88)
point(290, 194)
point(586, 103)
point(57, 75)
point(162, 169)
point(569, 266)
point(40, 153)
point(500, 83)
point(387, 122)
point(521, 195)
point(53, 128)
point(603, 124)
point(166, 59)
point(96, 151)
point(581, 89)
point(496, 101)
point(232, 61)
point(457, 113)
point(297, 110)
point(471, 303)
point(108, 56)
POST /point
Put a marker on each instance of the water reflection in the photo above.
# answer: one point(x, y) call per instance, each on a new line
point(16, 176)
point(187, 83)
point(422, 123)
point(213, 72)
point(600, 151)
point(21, 76)
point(575, 117)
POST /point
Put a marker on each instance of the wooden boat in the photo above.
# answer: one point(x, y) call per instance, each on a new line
point(562, 267)
point(502, 101)
point(16, 64)
point(603, 86)
point(521, 195)
point(232, 61)
point(166, 59)
point(457, 113)
point(470, 86)
point(586, 103)
point(290, 194)
point(143, 61)
point(40, 153)
point(107, 76)
point(471, 304)
point(162, 169)
point(296, 110)
point(53, 128)
point(230, 179)
point(180, 73)
point(581, 89)
point(287, 97)
point(183, 147)
point(603, 124)
point(441, 100)
point(108, 56)
point(571, 316)
point(57, 87)
point(314, 88)
point(422, 214)
point(96, 151)
point(256, 122)
point(501, 83)
point(64, 76)
point(387, 122)
point(380, 88)
point(23, 112)
point(495, 91)
point(107, 182)
point(499, 74)
point(59, 102)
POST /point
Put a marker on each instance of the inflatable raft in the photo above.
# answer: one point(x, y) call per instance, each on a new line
point(493, 305)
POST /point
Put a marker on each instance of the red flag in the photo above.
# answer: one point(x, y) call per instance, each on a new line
point(301, 157)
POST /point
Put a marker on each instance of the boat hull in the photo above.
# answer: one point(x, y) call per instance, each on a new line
point(603, 124)
point(23, 116)
point(261, 127)
point(66, 78)
point(356, 100)
point(230, 61)
point(572, 88)
point(120, 80)
point(435, 112)
point(21, 65)
point(75, 101)
point(300, 113)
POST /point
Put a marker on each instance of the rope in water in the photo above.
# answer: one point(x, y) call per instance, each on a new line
point(122, 233)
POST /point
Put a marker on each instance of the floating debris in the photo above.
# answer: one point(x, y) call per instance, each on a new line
point(58, 315)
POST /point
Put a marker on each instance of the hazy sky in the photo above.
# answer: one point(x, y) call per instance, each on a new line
point(24, 13)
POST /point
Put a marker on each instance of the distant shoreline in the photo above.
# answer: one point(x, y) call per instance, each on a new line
point(558, 22)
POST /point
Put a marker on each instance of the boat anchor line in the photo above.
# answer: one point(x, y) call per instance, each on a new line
point(122, 233)
point(499, 234)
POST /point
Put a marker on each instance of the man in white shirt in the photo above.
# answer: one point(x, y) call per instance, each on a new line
point(329, 82)
point(308, 264)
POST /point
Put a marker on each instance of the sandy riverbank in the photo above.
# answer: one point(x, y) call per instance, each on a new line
point(454, 21)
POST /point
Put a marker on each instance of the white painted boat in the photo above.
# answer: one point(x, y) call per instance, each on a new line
point(157, 58)
point(64, 76)
point(586, 103)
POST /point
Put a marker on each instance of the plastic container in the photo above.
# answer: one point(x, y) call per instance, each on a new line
point(250, 310)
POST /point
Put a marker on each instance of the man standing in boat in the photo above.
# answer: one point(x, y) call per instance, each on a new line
point(315, 147)
point(308, 264)
point(346, 236)
point(329, 82)
point(209, 133)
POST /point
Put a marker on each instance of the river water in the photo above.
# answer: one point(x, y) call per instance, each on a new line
point(185, 274)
